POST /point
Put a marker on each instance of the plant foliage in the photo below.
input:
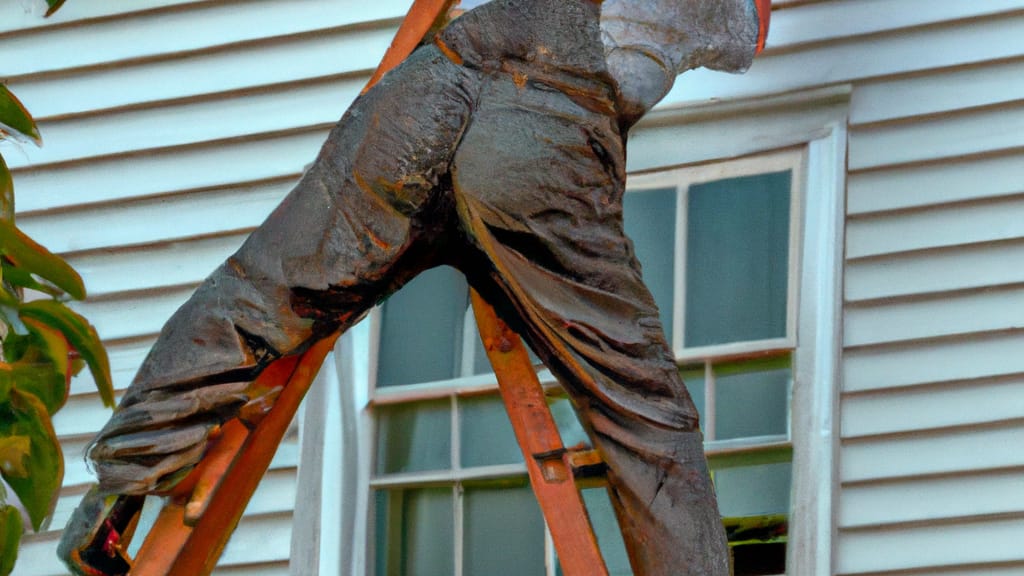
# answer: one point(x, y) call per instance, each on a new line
point(44, 344)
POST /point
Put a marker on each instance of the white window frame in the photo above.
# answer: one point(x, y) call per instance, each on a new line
point(682, 136)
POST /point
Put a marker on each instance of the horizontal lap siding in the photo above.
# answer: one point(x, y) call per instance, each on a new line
point(932, 409)
point(175, 144)
point(172, 128)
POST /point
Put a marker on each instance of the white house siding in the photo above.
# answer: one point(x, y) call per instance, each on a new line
point(933, 398)
point(172, 128)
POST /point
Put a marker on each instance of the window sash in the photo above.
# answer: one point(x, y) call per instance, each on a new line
point(793, 160)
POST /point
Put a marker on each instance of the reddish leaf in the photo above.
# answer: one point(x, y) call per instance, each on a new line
point(26, 254)
point(26, 415)
point(81, 335)
point(6, 192)
point(15, 121)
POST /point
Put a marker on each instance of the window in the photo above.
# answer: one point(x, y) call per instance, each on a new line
point(719, 248)
point(727, 290)
point(450, 491)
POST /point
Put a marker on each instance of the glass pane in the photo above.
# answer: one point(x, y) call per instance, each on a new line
point(504, 532)
point(650, 222)
point(694, 380)
point(421, 329)
point(481, 365)
point(753, 490)
point(606, 528)
point(415, 532)
point(414, 437)
point(752, 403)
point(737, 259)
point(487, 436)
point(569, 427)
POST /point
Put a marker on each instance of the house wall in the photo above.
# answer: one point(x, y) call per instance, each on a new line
point(174, 126)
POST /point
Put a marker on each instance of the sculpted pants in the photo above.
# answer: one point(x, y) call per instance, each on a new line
point(503, 175)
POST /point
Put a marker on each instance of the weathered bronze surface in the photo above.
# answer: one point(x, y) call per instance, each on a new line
point(498, 149)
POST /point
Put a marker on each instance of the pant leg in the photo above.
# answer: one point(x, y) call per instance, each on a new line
point(358, 225)
point(543, 208)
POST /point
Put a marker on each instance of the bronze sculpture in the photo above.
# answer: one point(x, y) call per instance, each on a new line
point(544, 91)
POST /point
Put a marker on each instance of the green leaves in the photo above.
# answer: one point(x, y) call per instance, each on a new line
point(36, 357)
point(6, 192)
point(54, 6)
point(29, 256)
point(38, 480)
point(6, 381)
point(80, 334)
point(15, 121)
point(43, 343)
point(10, 535)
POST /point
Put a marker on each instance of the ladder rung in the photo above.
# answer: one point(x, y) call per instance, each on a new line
point(587, 464)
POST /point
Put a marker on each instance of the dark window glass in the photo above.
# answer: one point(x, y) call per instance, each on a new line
point(504, 532)
point(737, 259)
point(754, 490)
point(650, 222)
point(752, 403)
point(415, 532)
point(487, 436)
point(421, 329)
point(414, 437)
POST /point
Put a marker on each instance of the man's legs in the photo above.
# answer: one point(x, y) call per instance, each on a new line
point(363, 220)
point(550, 254)
point(629, 397)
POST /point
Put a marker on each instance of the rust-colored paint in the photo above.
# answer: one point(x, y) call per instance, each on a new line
point(764, 16)
point(424, 16)
point(548, 462)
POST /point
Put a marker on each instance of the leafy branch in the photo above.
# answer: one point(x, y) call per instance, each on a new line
point(44, 344)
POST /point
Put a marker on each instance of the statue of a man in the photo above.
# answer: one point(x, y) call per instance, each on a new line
point(498, 149)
